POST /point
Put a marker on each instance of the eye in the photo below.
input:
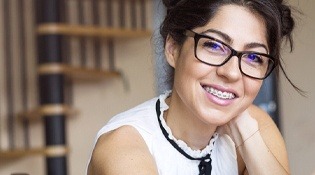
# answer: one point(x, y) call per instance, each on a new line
point(213, 46)
point(254, 58)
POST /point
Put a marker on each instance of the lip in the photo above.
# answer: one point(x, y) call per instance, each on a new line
point(217, 100)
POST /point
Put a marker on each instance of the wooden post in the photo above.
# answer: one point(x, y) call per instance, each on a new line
point(51, 86)
point(122, 14)
point(96, 42)
point(82, 40)
point(111, 53)
point(23, 73)
point(9, 73)
point(133, 14)
point(143, 14)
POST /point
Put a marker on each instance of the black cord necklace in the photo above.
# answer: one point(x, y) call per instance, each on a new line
point(205, 162)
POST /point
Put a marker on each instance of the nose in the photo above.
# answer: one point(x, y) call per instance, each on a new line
point(230, 70)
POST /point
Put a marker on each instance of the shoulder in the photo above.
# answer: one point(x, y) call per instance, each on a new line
point(121, 146)
point(121, 151)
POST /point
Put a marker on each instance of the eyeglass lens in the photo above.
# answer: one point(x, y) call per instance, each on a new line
point(215, 53)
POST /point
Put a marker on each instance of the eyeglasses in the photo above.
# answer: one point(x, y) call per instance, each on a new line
point(214, 52)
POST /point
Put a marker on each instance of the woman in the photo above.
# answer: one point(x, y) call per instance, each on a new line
point(220, 51)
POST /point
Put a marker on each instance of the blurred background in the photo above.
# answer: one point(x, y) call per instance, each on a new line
point(68, 66)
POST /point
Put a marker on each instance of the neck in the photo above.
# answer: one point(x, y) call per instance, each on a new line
point(186, 126)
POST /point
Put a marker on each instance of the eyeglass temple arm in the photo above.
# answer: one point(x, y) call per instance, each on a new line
point(189, 33)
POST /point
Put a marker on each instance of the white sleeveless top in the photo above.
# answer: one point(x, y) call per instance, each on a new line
point(170, 161)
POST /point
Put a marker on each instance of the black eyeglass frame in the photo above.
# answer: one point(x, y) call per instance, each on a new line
point(272, 61)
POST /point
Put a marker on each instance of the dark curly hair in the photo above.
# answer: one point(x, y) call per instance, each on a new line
point(189, 14)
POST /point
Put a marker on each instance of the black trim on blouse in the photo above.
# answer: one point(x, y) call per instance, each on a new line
point(204, 166)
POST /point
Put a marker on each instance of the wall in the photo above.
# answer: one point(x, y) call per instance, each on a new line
point(297, 112)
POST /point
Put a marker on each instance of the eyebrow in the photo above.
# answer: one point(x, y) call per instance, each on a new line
point(228, 39)
point(256, 45)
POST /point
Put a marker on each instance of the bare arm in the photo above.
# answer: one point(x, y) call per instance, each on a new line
point(259, 143)
point(120, 152)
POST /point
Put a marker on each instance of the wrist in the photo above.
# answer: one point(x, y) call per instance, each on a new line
point(247, 139)
point(243, 127)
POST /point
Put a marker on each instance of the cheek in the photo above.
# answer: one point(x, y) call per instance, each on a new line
point(189, 67)
point(251, 88)
point(186, 65)
point(191, 72)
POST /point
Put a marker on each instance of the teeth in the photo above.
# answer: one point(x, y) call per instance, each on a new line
point(220, 94)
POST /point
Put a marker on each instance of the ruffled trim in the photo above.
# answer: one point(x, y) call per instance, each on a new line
point(193, 153)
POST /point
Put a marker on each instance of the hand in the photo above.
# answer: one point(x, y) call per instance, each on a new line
point(240, 128)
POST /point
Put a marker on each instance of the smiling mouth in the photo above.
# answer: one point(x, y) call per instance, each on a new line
point(220, 94)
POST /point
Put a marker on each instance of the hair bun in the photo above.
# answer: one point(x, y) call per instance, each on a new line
point(170, 3)
point(286, 20)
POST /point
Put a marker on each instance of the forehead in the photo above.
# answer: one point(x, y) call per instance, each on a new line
point(239, 23)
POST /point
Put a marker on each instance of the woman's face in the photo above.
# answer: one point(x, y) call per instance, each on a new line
point(243, 31)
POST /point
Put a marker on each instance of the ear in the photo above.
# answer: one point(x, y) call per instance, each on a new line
point(171, 51)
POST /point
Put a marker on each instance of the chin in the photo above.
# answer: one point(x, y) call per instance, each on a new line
point(218, 118)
